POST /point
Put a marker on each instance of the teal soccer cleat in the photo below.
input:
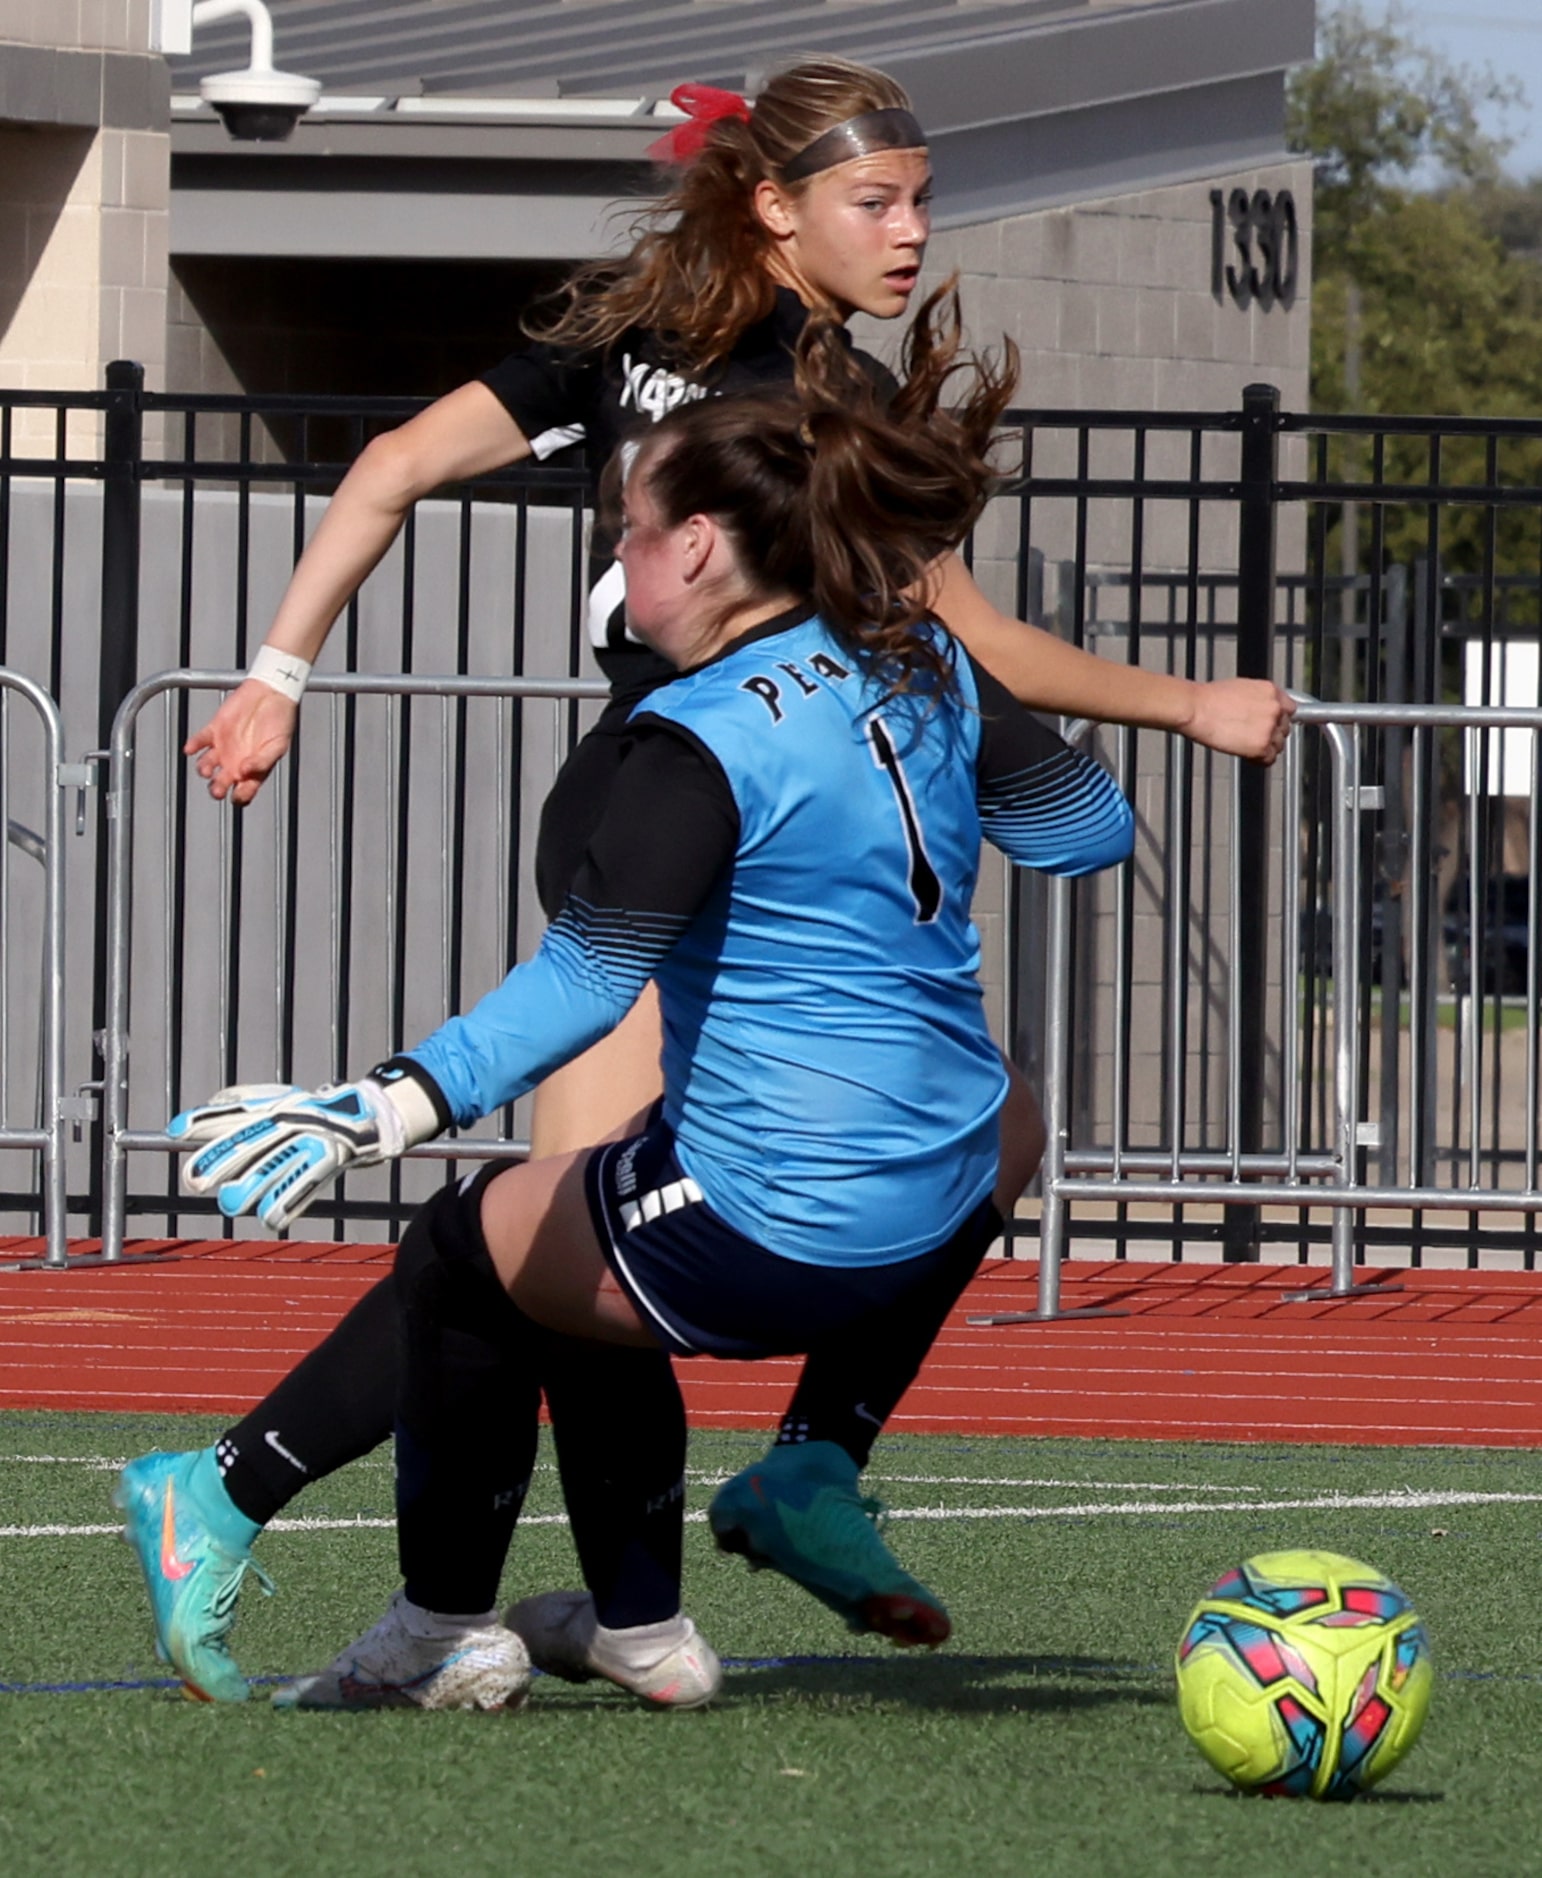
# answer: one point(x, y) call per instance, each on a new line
point(194, 1548)
point(798, 1512)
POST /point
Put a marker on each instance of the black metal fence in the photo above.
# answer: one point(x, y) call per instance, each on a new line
point(1355, 559)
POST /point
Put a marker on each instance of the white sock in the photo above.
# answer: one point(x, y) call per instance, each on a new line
point(440, 1624)
point(640, 1646)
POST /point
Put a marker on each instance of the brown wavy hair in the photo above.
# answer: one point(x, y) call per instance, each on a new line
point(697, 272)
point(831, 497)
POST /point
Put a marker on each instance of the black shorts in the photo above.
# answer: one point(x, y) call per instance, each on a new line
point(572, 810)
point(706, 1290)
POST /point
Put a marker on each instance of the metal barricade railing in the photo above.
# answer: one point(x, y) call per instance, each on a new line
point(46, 850)
point(378, 831)
point(1323, 1175)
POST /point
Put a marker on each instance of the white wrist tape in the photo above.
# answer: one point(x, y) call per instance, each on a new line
point(283, 672)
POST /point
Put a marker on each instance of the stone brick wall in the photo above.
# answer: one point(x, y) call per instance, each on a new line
point(90, 25)
point(84, 193)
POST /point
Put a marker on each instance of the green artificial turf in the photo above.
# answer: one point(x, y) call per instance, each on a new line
point(1042, 1741)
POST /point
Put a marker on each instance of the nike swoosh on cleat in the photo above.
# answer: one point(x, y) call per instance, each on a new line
point(171, 1566)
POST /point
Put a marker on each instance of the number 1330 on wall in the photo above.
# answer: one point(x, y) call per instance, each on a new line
point(1264, 248)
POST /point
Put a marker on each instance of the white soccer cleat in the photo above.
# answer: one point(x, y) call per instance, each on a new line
point(670, 1665)
point(412, 1659)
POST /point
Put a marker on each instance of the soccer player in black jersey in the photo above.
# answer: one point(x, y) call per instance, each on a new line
point(815, 199)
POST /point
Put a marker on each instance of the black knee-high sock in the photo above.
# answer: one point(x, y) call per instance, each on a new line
point(852, 1384)
point(619, 1423)
point(467, 1408)
point(618, 1420)
point(337, 1404)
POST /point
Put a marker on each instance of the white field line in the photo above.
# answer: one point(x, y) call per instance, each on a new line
point(1086, 1509)
point(715, 1476)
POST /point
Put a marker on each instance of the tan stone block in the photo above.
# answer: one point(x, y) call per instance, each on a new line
point(65, 248)
point(14, 253)
point(1097, 241)
point(1197, 385)
point(972, 250)
point(1183, 256)
point(183, 359)
point(146, 170)
point(1197, 316)
point(53, 323)
point(39, 168)
point(1049, 381)
point(112, 143)
point(110, 322)
point(1274, 336)
point(1118, 321)
point(94, 27)
point(42, 22)
point(1157, 325)
point(1142, 240)
point(1026, 310)
point(1121, 384)
point(122, 248)
point(1038, 326)
point(1233, 333)
point(1079, 319)
point(157, 249)
point(1043, 246)
point(216, 373)
point(143, 329)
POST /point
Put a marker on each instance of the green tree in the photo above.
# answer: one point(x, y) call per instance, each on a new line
point(1376, 112)
point(1421, 278)
point(1512, 212)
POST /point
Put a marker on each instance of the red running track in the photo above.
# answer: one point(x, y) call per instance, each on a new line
point(1204, 1352)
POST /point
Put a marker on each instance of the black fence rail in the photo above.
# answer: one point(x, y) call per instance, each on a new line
point(1358, 560)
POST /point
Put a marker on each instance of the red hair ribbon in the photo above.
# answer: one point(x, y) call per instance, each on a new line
point(704, 106)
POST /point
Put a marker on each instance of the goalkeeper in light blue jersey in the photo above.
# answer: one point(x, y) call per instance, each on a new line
point(791, 856)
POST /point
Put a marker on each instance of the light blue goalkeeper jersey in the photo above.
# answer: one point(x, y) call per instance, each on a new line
point(828, 1072)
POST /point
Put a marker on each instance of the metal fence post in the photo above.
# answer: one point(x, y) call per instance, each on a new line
point(122, 454)
point(1255, 659)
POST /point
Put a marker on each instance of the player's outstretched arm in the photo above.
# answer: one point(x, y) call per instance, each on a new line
point(270, 1148)
point(1247, 717)
point(651, 865)
point(463, 434)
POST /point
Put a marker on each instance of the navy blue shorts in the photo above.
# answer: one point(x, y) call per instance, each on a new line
point(706, 1290)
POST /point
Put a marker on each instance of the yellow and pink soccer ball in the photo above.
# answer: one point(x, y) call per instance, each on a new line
point(1304, 1674)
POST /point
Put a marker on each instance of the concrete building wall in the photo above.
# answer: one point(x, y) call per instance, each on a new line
point(89, 25)
point(84, 193)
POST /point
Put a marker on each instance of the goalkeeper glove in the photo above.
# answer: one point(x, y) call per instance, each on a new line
point(269, 1148)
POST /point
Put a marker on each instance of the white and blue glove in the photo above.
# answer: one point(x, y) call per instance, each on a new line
point(269, 1148)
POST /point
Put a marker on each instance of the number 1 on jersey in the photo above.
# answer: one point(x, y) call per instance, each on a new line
point(925, 887)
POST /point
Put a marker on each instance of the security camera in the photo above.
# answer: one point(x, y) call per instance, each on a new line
point(260, 106)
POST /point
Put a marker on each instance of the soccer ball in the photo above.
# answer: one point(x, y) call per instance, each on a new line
point(1304, 1673)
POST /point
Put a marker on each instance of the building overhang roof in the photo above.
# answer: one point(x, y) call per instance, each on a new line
point(475, 129)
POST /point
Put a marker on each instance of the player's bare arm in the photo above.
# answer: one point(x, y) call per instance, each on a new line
point(1247, 717)
point(463, 434)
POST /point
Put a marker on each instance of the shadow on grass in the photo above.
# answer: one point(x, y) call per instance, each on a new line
point(1376, 1797)
point(961, 1685)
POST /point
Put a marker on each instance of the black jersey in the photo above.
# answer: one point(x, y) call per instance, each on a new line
point(560, 396)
